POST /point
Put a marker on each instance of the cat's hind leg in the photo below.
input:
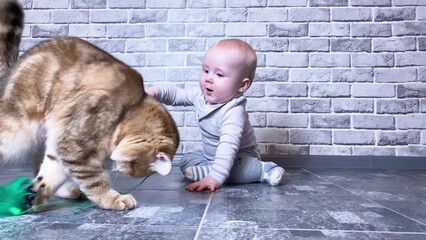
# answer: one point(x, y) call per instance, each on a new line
point(69, 190)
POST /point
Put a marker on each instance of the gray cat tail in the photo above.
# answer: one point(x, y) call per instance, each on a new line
point(11, 25)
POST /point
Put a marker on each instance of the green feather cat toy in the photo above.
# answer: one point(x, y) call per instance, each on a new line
point(14, 197)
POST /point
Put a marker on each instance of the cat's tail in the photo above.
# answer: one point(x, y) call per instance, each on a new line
point(11, 25)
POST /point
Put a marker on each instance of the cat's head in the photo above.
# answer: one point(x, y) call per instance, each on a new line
point(146, 140)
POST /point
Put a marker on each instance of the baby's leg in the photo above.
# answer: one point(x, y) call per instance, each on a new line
point(195, 166)
point(248, 169)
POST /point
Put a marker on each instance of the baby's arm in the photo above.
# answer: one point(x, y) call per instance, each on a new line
point(173, 96)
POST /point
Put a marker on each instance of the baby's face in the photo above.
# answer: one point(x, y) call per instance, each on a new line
point(222, 74)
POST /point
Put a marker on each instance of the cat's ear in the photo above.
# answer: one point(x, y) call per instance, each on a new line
point(162, 164)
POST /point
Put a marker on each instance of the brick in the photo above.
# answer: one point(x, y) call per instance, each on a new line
point(394, 14)
point(398, 138)
point(246, 3)
point(146, 45)
point(398, 106)
point(268, 104)
point(329, 29)
point(181, 74)
point(165, 30)
point(330, 150)
point(350, 137)
point(409, 2)
point(422, 43)
point(288, 30)
point(286, 90)
point(257, 89)
point(329, 60)
point(310, 75)
point(227, 15)
point(353, 105)
point(50, 4)
point(27, 4)
point(410, 90)
point(165, 4)
point(413, 151)
point(411, 121)
point(154, 75)
point(27, 44)
point(351, 45)
point(126, 31)
point(310, 136)
point(373, 122)
point(271, 135)
point(88, 30)
point(132, 59)
point(184, 15)
point(353, 75)
point(309, 45)
point(371, 30)
point(400, 44)
point(126, 4)
point(409, 28)
point(374, 151)
point(351, 14)
point(371, 3)
point(245, 29)
point(287, 3)
point(267, 15)
point(92, 4)
point(108, 16)
point(70, 16)
point(49, 31)
point(286, 149)
point(330, 121)
point(410, 59)
point(310, 105)
point(372, 60)
point(371, 90)
point(269, 45)
point(257, 119)
point(206, 4)
point(37, 16)
point(330, 90)
point(328, 3)
point(110, 45)
point(309, 15)
point(421, 13)
point(287, 60)
point(422, 74)
point(286, 120)
point(395, 75)
point(423, 137)
point(164, 59)
point(148, 16)
point(206, 30)
point(272, 74)
point(187, 45)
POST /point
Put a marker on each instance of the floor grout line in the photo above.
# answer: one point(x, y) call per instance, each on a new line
point(203, 217)
point(367, 199)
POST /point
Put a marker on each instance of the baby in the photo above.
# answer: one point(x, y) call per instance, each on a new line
point(230, 152)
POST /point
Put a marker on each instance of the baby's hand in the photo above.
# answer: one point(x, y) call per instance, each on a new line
point(151, 91)
point(205, 183)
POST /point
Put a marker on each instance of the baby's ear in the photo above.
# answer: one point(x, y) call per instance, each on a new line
point(245, 84)
point(162, 164)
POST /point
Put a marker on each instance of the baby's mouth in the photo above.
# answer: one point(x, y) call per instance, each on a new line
point(209, 91)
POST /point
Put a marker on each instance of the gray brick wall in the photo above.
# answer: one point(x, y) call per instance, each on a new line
point(334, 77)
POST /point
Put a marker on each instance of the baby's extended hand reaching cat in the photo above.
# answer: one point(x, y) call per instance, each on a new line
point(207, 183)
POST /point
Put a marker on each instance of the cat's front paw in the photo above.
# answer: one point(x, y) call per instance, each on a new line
point(117, 201)
point(42, 190)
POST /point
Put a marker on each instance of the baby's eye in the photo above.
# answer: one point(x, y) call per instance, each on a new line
point(205, 71)
point(219, 74)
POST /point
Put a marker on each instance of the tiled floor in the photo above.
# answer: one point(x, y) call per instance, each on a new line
point(311, 204)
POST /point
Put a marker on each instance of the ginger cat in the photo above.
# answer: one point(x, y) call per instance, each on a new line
point(75, 106)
